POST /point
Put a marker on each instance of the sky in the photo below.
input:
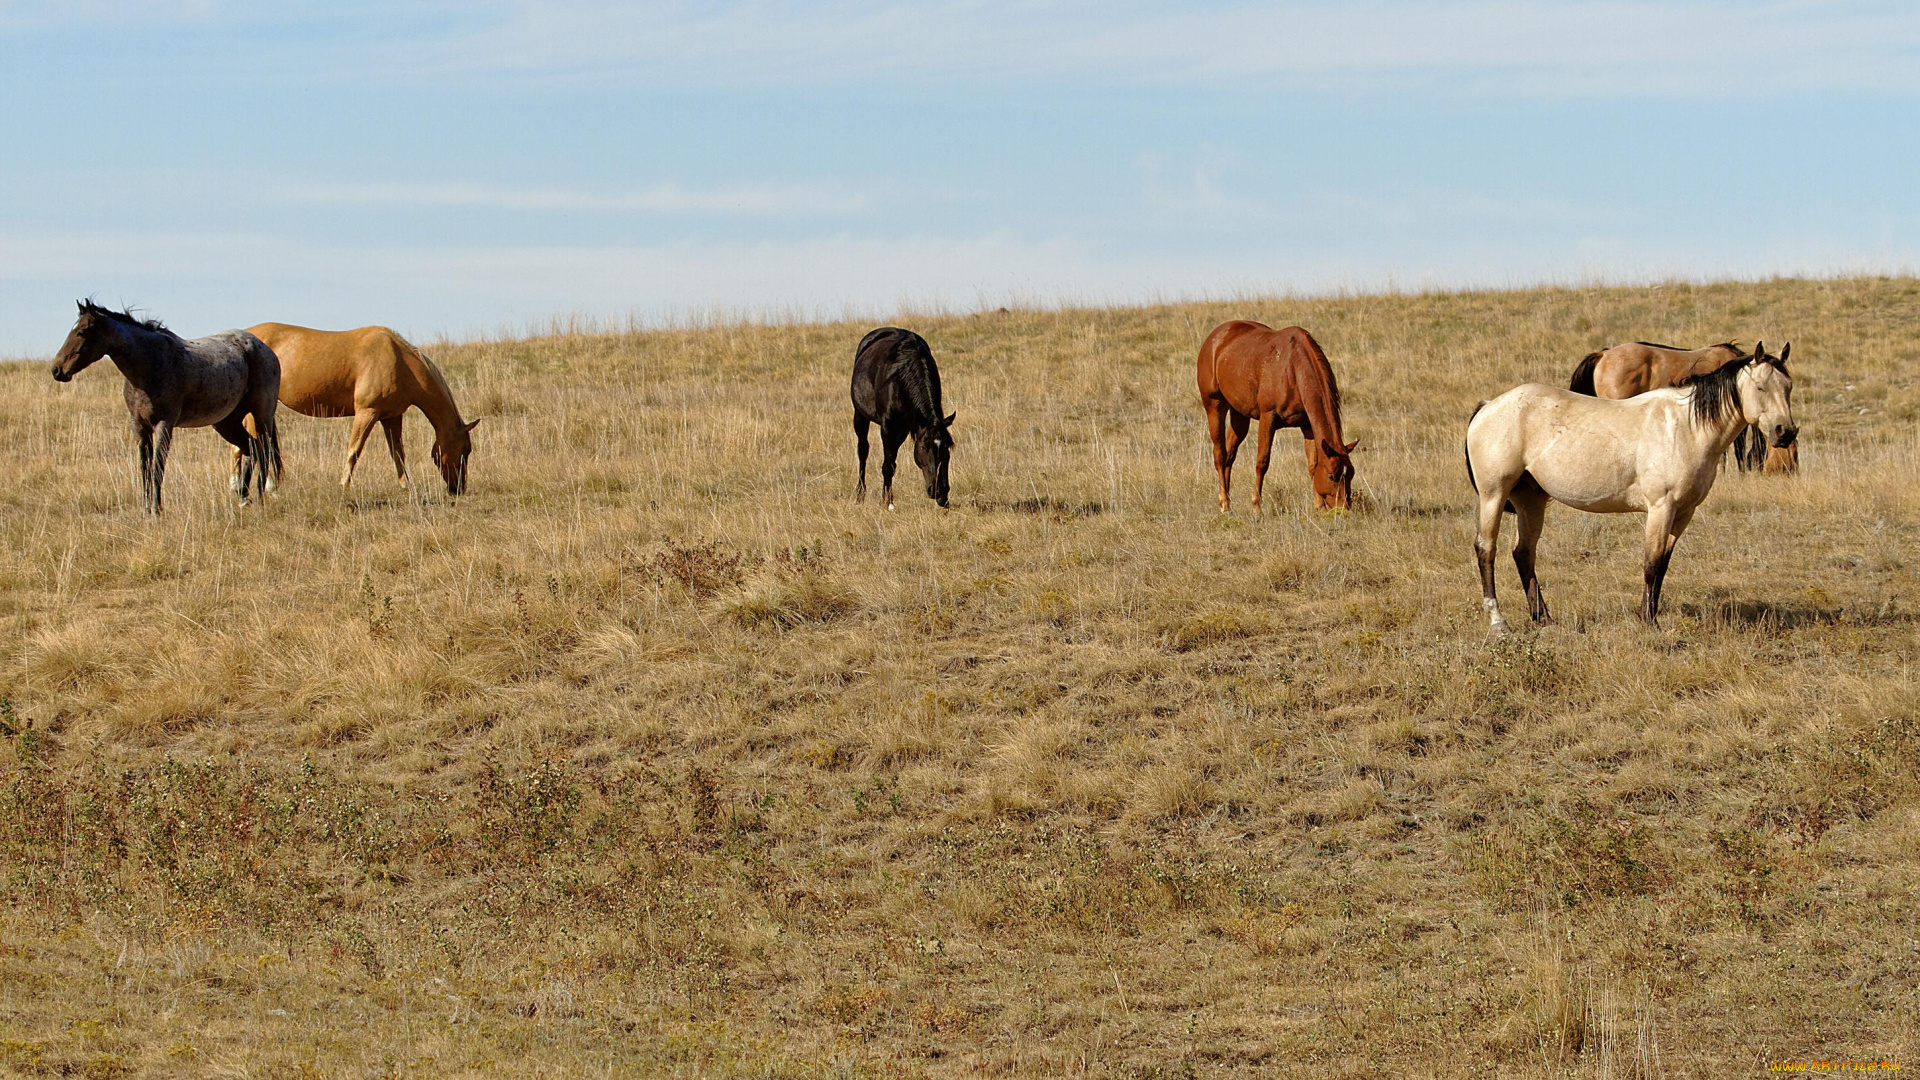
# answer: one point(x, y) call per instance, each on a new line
point(459, 169)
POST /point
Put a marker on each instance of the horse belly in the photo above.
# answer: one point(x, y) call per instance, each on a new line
point(217, 394)
point(1597, 486)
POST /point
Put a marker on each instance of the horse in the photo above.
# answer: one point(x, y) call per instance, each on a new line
point(1656, 453)
point(1249, 369)
point(896, 385)
point(1623, 371)
point(371, 374)
point(229, 381)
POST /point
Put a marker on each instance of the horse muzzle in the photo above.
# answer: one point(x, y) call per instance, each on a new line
point(62, 376)
point(1784, 437)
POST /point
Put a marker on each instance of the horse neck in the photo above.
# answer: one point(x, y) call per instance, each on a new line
point(1313, 378)
point(131, 351)
point(435, 398)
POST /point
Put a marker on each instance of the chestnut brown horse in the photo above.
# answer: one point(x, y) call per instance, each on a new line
point(371, 374)
point(1248, 370)
point(1624, 371)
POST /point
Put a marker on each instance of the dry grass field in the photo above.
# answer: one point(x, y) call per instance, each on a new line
point(657, 756)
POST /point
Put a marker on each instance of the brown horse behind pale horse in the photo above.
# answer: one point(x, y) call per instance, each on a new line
point(371, 374)
point(1624, 371)
point(1247, 370)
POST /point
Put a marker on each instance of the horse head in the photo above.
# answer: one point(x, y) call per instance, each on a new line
point(1330, 468)
point(85, 342)
point(932, 448)
point(1766, 395)
point(450, 452)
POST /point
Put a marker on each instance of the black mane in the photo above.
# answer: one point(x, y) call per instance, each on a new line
point(1716, 393)
point(155, 325)
point(1737, 351)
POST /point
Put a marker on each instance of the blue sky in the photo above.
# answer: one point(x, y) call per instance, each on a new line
point(450, 168)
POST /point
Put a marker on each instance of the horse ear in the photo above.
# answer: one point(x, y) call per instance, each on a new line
point(1352, 444)
point(1759, 350)
point(475, 423)
point(948, 422)
point(1784, 351)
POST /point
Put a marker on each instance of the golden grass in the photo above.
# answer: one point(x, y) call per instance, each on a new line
point(659, 756)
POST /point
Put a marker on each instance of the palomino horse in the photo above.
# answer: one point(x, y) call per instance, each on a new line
point(229, 381)
point(371, 374)
point(896, 384)
point(1623, 371)
point(1658, 453)
point(1249, 369)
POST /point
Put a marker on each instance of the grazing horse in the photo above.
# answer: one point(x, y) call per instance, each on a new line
point(1249, 369)
point(229, 381)
point(1656, 453)
point(371, 374)
point(897, 385)
point(1624, 371)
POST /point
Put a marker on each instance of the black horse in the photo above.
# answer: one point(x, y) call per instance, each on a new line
point(897, 385)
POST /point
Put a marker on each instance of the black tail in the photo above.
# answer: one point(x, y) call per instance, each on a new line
point(1468, 453)
point(1583, 375)
point(266, 455)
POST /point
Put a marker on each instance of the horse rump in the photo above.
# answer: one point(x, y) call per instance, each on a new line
point(1467, 452)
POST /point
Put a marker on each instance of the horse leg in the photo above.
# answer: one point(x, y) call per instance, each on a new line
point(1217, 434)
point(356, 442)
point(143, 436)
point(234, 430)
point(1530, 515)
point(1267, 424)
point(392, 425)
point(860, 425)
point(1492, 504)
point(890, 441)
point(1660, 518)
point(1236, 433)
point(162, 445)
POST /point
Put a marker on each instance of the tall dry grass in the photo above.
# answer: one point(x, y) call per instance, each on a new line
point(658, 756)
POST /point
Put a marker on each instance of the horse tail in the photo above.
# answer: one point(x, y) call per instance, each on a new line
point(1583, 375)
point(270, 459)
point(1467, 451)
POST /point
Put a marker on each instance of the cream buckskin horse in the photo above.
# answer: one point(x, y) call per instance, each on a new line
point(371, 374)
point(1656, 453)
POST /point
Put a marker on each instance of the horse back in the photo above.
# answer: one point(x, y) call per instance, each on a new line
point(340, 372)
point(1254, 368)
point(1632, 369)
point(895, 378)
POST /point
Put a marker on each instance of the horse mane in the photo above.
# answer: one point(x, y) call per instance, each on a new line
point(433, 372)
point(1316, 360)
point(1714, 394)
point(127, 317)
point(918, 375)
point(1737, 351)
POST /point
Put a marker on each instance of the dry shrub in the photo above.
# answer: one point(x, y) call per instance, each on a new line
point(787, 595)
point(1206, 630)
point(702, 569)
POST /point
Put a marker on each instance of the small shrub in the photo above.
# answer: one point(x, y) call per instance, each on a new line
point(702, 569)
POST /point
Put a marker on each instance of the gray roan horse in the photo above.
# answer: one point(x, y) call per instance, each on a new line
point(1657, 453)
point(229, 381)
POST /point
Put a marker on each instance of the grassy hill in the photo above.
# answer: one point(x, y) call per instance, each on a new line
point(658, 756)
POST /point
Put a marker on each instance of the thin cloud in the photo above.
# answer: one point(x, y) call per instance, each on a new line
point(772, 200)
point(1617, 48)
